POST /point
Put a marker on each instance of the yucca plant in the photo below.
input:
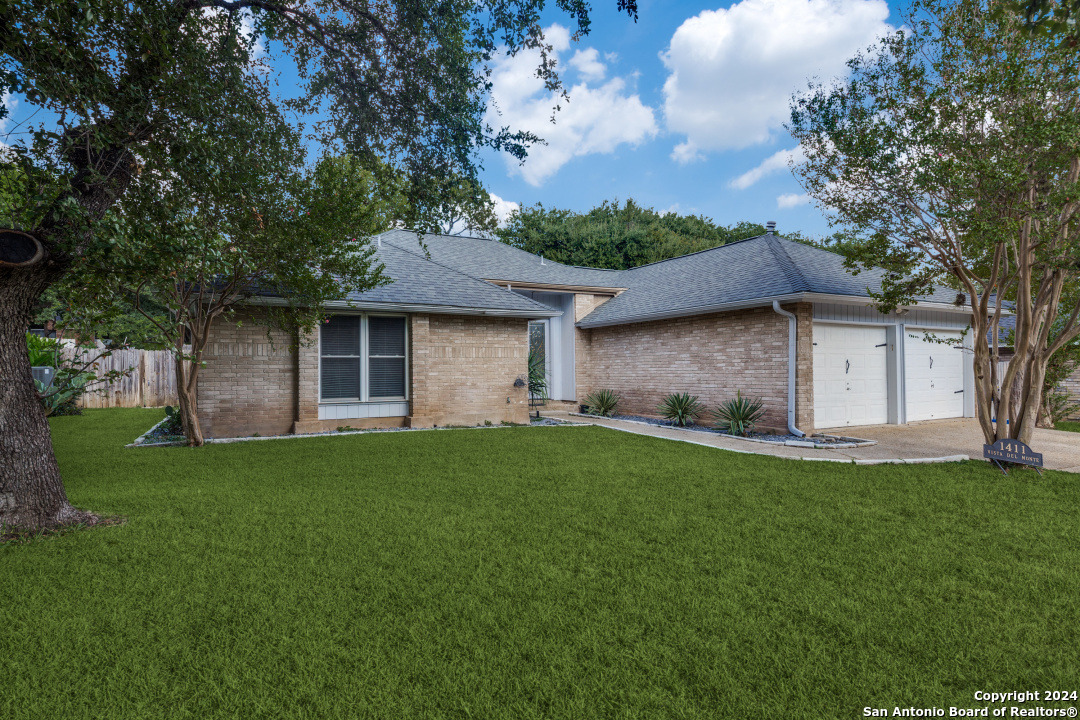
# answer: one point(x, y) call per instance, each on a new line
point(681, 408)
point(739, 415)
point(603, 402)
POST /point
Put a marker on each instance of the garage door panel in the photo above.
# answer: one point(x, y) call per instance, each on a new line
point(850, 376)
point(933, 376)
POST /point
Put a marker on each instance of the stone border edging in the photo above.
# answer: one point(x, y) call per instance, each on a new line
point(848, 461)
point(852, 442)
point(330, 433)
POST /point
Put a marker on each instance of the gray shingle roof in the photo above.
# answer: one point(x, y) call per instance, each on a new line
point(450, 270)
point(494, 260)
point(420, 281)
point(757, 268)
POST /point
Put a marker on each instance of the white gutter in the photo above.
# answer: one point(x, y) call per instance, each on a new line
point(793, 336)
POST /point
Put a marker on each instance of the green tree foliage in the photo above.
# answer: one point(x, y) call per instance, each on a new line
point(616, 236)
point(955, 147)
point(143, 96)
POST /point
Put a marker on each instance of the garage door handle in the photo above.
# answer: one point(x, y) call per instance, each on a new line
point(931, 361)
point(958, 392)
point(847, 366)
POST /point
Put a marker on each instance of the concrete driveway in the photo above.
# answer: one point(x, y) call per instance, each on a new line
point(929, 441)
point(932, 438)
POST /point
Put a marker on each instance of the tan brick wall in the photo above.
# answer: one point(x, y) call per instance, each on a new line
point(248, 384)
point(804, 365)
point(583, 305)
point(463, 370)
point(711, 356)
point(1072, 386)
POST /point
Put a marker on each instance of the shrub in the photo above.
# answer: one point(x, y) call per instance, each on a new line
point(172, 425)
point(43, 352)
point(739, 415)
point(681, 408)
point(603, 402)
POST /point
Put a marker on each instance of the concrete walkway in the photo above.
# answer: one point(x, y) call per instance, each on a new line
point(931, 441)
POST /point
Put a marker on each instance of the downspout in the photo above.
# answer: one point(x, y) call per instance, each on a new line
point(792, 339)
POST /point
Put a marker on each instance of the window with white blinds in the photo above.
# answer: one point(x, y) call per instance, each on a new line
point(362, 358)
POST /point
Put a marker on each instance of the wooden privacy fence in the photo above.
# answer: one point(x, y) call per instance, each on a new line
point(151, 382)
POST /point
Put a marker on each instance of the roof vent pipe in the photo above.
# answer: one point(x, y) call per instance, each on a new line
point(770, 227)
point(792, 339)
point(542, 260)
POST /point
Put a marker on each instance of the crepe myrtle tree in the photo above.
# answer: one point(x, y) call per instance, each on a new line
point(954, 145)
point(301, 237)
point(125, 89)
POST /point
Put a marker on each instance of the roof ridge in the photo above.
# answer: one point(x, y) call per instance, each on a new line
point(500, 242)
point(464, 274)
point(696, 252)
point(791, 271)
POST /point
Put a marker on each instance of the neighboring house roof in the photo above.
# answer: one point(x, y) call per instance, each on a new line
point(746, 272)
point(495, 260)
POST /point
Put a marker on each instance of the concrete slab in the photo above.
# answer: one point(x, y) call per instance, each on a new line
point(923, 442)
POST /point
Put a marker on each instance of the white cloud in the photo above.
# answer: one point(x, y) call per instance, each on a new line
point(9, 103)
point(732, 71)
point(685, 153)
point(587, 62)
point(597, 119)
point(791, 200)
point(503, 208)
point(775, 163)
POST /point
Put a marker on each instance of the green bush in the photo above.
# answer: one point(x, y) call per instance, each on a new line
point(43, 352)
point(62, 397)
point(603, 402)
point(681, 408)
point(739, 415)
point(172, 424)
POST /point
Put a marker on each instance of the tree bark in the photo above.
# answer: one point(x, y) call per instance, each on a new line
point(32, 495)
point(187, 383)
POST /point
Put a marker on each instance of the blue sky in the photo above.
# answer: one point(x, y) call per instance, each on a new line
point(684, 109)
point(681, 111)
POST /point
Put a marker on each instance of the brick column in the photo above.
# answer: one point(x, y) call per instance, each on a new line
point(307, 382)
point(420, 395)
point(804, 367)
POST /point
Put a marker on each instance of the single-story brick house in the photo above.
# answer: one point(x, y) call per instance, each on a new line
point(448, 340)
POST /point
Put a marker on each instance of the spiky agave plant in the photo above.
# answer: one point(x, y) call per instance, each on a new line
point(603, 402)
point(739, 415)
point(681, 408)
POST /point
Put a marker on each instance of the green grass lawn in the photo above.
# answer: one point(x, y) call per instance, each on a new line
point(528, 573)
point(1067, 425)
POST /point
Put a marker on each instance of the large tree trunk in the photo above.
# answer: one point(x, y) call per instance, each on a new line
point(32, 494)
point(187, 379)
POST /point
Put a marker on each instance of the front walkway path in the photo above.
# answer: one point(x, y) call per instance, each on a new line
point(932, 441)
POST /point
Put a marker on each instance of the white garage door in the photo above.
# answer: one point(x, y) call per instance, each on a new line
point(851, 385)
point(933, 376)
